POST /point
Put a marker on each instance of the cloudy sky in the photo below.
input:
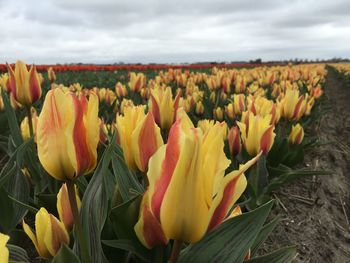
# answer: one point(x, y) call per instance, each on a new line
point(172, 31)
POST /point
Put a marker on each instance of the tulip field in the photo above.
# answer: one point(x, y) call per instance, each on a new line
point(162, 163)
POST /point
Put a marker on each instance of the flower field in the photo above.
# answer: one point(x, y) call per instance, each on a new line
point(159, 163)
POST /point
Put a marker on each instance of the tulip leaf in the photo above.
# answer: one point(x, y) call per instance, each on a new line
point(264, 233)
point(17, 254)
point(64, 255)
point(125, 178)
point(7, 212)
point(129, 246)
point(229, 242)
point(12, 120)
point(283, 255)
point(18, 188)
point(94, 207)
point(290, 175)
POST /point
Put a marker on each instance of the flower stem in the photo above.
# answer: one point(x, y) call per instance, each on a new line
point(175, 252)
point(77, 222)
point(30, 122)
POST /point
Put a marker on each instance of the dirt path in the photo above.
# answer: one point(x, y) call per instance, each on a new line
point(316, 209)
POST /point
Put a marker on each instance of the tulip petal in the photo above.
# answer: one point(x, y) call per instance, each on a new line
point(54, 134)
point(148, 229)
point(55, 235)
point(232, 187)
point(32, 237)
point(4, 252)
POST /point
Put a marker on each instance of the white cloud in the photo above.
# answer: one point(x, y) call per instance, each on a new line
point(107, 31)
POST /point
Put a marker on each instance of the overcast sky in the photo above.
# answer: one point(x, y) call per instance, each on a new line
point(107, 31)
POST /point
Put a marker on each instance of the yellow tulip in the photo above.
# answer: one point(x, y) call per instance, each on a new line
point(51, 74)
point(25, 126)
point(50, 234)
point(296, 136)
point(63, 207)
point(68, 134)
point(4, 252)
point(239, 103)
point(139, 137)
point(137, 81)
point(163, 107)
point(234, 141)
point(188, 192)
point(292, 106)
point(24, 85)
point(120, 90)
point(218, 114)
point(199, 108)
point(256, 133)
point(4, 82)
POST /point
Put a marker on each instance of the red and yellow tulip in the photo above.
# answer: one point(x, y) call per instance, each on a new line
point(24, 85)
point(68, 134)
point(195, 164)
point(296, 135)
point(257, 133)
point(50, 234)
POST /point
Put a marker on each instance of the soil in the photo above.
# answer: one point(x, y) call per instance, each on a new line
point(315, 211)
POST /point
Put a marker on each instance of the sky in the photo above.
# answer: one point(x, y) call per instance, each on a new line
point(176, 31)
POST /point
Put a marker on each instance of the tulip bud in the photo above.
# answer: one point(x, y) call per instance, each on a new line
point(4, 82)
point(199, 108)
point(229, 110)
point(25, 126)
point(120, 90)
point(25, 85)
point(50, 234)
point(218, 114)
point(139, 136)
point(296, 136)
point(137, 81)
point(4, 251)
point(234, 141)
point(51, 74)
point(64, 208)
point(68, 134)
point(256, 133)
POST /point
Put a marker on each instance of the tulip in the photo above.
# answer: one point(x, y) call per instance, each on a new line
point(4, 252)
point(234, 141)
point(296, 136)
point(163, 107)
point(293, 106)
point(137, 81)
point(120, 90)
point(68, 134)
point(64, 208)
point(25, 129)
point(51, 74)
point(188, 194)
point(256, 133)
point(50, 234)
point(199, 108)
point(229, 110)
point(4, 82)
point(218, 114)
point(24, 85)
point(239, 103)
point(139, 136)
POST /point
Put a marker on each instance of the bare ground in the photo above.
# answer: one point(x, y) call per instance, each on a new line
point(315, 212)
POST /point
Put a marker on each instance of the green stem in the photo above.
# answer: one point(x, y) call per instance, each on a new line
point(77, 222)
point(30, 122)
point(175, 252)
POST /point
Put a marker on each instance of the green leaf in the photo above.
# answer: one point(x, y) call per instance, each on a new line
point(64, 255)
point(229, 242)
point(17, 254)
point(283, 255)
point(264, 233)
point(129, 246)
point(292, 175)
point(12, 120)
point(18, 188)
point(94, 207)
point(7, 212)
point(125, 179)
point(258, 177)
point(125, 216)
